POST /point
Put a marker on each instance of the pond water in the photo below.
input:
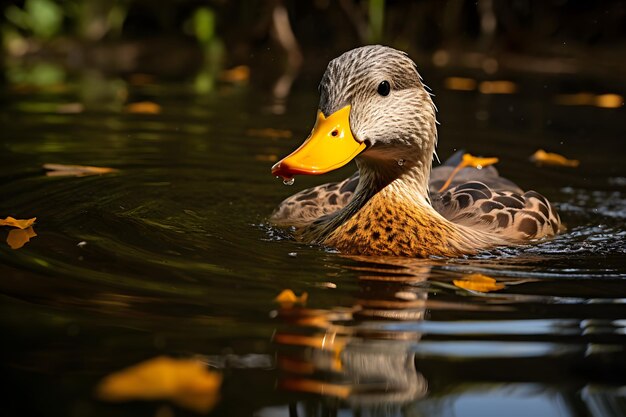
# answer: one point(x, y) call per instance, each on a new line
point(171, 255)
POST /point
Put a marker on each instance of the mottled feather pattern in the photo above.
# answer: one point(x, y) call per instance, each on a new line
point(514, 215)
point(399, 223)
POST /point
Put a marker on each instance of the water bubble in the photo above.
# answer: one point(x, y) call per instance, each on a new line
point(289, 181)
point(400, 162)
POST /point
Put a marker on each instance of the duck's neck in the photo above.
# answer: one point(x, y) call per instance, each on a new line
point(407, 180)
point(404, 177)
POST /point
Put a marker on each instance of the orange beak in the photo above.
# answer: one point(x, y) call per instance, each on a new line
point(329, 146)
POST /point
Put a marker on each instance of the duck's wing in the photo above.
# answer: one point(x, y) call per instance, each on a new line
point(513, 215)
point(482, 199)
point(302, 208)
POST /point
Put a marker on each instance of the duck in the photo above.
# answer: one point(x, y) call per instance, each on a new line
point(375, 109)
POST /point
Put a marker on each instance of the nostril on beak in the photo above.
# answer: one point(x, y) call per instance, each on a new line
point(334, 132)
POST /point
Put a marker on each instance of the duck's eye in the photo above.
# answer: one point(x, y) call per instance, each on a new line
point(384, 88)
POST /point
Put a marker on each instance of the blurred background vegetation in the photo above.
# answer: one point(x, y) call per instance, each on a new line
point(276, 42)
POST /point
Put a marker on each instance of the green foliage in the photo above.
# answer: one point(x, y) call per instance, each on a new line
point(42, 18)
point(116, 18)
point(204, 24)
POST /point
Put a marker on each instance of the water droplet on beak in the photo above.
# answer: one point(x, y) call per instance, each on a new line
point(289, 181)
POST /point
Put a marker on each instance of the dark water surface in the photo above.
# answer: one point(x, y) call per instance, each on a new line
point(172, 256)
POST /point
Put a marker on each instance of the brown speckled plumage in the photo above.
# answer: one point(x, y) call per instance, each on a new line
point(392, 205)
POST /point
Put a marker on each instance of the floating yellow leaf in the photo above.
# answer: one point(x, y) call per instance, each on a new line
point(185, 382)
point(542, 157)
point(460, 83)
point(607, 101)
point(19, 223)
point(478, 282)
point(288, 297)
point(143, 107)
point(477, 162)
point(469, 160)
point(497, 87)
point(61, 170)
point(19, 237)
point(237, 74)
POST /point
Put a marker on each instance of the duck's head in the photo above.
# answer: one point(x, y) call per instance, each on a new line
point(373, 107)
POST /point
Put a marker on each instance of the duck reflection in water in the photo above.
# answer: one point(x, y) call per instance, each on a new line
point(352, 354)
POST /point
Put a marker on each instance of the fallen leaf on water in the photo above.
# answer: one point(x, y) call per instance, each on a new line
point(186, 382)
point(143, 107)
point(607, 101)
point(460, 83)
point(61, 170)
point(19, 223)
point(288, 298)
point(477, 161)
point(497, 87)
point(542, 157)
point(469, 161)
point(478, 282)
point(237, 74)
point(19, 237)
